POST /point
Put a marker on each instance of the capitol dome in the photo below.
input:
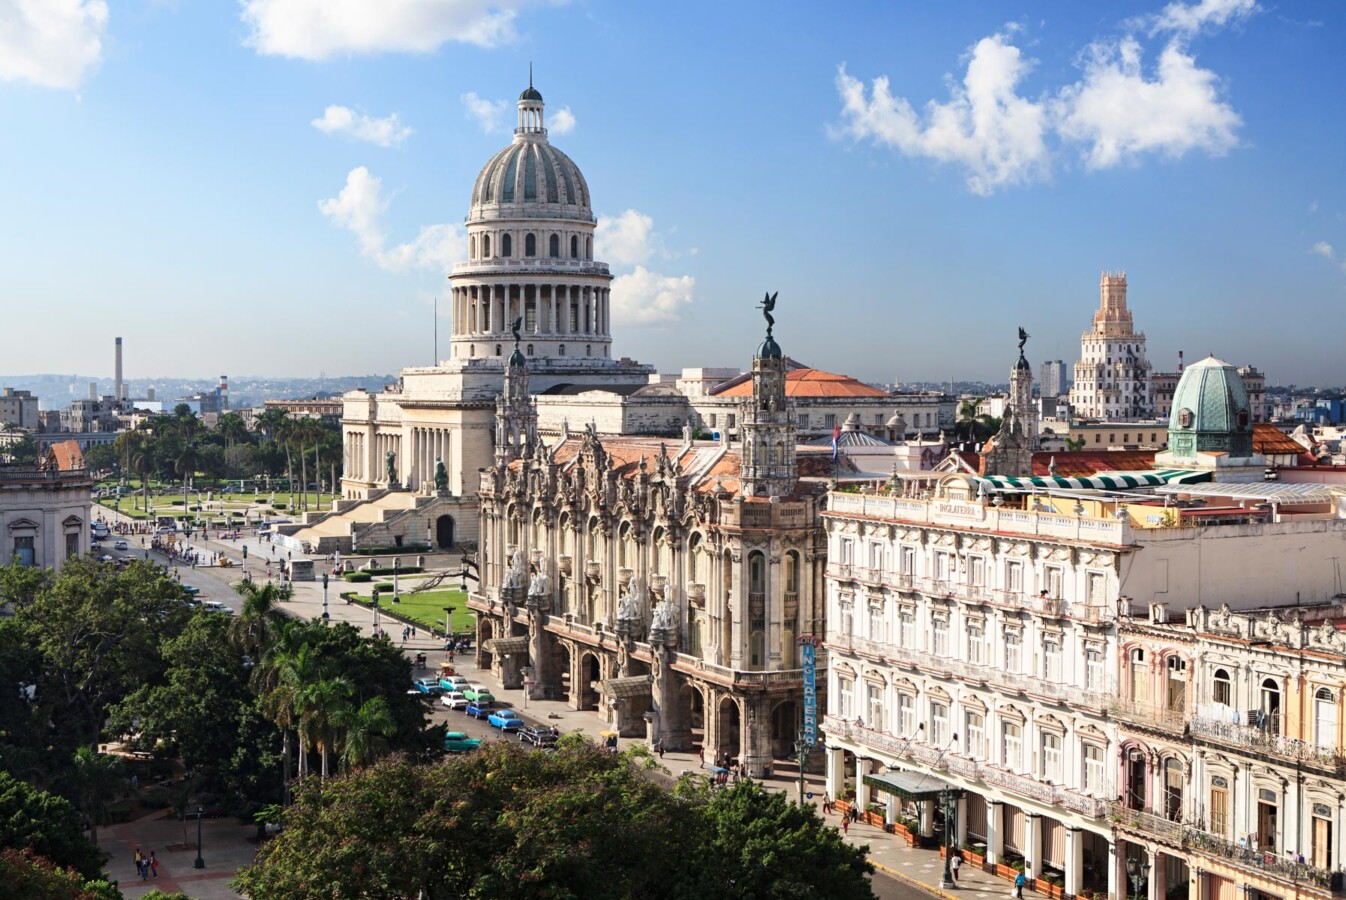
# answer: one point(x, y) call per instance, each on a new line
point(531, 172)
point(1211, 411)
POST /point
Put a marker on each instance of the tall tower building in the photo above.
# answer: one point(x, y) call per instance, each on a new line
point(1112, 378)
point(769, 468)
point(515, 413)
point(1053, 378)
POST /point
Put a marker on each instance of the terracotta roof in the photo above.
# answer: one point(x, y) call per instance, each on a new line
point(1269, 440)
point(66, 455)
point(1084, 463)
point(812, 383)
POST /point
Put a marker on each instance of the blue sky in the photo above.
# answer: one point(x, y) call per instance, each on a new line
point(173, 172)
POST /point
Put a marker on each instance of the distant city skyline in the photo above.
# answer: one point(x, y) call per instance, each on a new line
point(271, 191)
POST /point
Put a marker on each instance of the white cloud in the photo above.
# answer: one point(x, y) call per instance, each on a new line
point(626, 240)
point(359, 209)
point(1120, 113)
point(1117, 111)
point(562, 121)
point(643, 297)
point(1188, 20)
point(318, 29)
point(386, 132)
point(490, 114)
point(986, 127)
point(51, 43)
point(1323, 249)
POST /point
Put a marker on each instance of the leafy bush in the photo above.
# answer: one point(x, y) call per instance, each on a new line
point(358, 577)
point(278, 505)
point(384, 587)
point(388, 570)
point(176, 502)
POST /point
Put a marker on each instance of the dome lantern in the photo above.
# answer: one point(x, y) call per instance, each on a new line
point(530, 110)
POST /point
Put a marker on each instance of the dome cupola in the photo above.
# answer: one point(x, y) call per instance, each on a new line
point(1211, 412)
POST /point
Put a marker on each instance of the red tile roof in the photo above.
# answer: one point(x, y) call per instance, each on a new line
point(66, 455)
point(1084, 463)
point(1269, 440)
point(812, 383)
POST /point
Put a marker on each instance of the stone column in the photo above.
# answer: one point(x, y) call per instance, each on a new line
point(1032, 842)
point(926, 816)
point(836, 770)
point(1075, 861)
point(995, 831)
point(552, 324)
point(1115, 849)
point(861, 789)
point(960, 822)
point(1155, 873)
point(755, 739)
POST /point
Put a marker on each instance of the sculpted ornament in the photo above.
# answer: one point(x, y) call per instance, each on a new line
point(514, 576)
point(628, 608)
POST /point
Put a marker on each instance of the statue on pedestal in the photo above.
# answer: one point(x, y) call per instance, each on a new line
point(628, 608)
point(665, 616)
point(514, 576)
point(441, 477)
point(390, 463)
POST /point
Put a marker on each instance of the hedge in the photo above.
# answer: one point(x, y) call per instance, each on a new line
point(358, 577)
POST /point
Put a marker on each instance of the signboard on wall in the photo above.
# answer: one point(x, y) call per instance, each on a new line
point(809, 659)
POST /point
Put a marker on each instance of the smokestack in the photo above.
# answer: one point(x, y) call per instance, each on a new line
point(224, 392)
point(1179, 361)
point(117, 386)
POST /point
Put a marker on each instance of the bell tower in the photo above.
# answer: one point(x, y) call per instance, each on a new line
point(769, 467)
point(515, 414)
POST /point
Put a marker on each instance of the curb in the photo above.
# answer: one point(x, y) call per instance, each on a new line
point(904, 877)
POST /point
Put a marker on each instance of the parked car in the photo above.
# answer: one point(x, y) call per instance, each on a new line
point(191, 589)
point(453, 682)
point(459, 742)
point(478, 692)
point(427, 685)
point(538, 735)
point(505, 720)
point(477, 710)
point(453, 700)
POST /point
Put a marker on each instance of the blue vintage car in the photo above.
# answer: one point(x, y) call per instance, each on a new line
point(505, 720)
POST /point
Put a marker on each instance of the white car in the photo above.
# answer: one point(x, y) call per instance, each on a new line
point(453, 700)
point(120, 545)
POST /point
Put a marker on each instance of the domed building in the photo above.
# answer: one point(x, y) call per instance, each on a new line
point(1211, 424)
point(530, 227)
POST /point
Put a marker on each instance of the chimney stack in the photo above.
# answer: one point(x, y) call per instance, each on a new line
point(1179, 361)
point(118, 391)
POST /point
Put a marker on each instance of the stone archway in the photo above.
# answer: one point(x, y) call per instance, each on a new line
point(590, 672)
point(729, 728)
point(561, 672)
point(785, 724)
point(485, 632)
point(444, 532)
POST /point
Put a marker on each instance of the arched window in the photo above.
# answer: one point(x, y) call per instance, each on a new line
point(554, 246)
point(588, 248)
point(588, 350)
point(574, 247)
point(561, 350)
point(497, 349)
point(1325, 718)
point(1271, 706)
point(472, 350)
point(530, 245)
point(756, 609)
point(1222, 688)
point(486, 246)
point(472, 247)
point(506, 245)
point(530, 349)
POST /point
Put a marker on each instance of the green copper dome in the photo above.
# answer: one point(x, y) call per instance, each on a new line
point(1211, 412)
point(769, 349)
point(531, 93)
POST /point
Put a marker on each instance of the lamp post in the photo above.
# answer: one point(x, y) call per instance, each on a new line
point(374, 604)
point(1138, 870)
point(397, 565)
point(245, 562)
point(802, 756)
point(325, 616)
point(946, 797)
point(200, 863)
point(448, 624)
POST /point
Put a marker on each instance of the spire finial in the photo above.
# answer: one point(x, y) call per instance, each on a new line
point(530, 73)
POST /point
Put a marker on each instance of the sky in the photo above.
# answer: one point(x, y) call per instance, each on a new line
point(278, 187)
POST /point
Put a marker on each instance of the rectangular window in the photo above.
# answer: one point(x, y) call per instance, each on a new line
point(906, 715)
point(908, 622)
point(1014, 577)
point(24, 552)
point(1051, 659)
point(1052, 578)
point(1049, 767)
point(878, 420)
point(1219, 807)
point(730, 419)
point(1097, 588)
point(939, 723)
point(976, 640)
point(876, 624)
point(976, 571)
point(845, 698)
point(940, 633)
point(941, 567)
point(1011, 753)
point(847, 617)
point(976, 735)
point(72, 545)
point(803, 421)
point(875, 697)
point(1013, 657)
point(908, 561)
point(829, 421)
point(1093, 769)
point(876, 557)
point(1093, 669)
point(712, 420)
point(847, 551)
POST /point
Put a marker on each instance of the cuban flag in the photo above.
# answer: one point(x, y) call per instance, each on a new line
point(836, 442)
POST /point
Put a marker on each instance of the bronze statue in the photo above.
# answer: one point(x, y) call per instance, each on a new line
point(1023, 339)
point(769, 304)
point(441, 476)
point(518, 324)
point(390, 462)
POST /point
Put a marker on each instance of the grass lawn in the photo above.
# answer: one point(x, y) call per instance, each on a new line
point(234, 504)
point(426, 608)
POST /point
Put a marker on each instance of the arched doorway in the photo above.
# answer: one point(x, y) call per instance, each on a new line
point(444, 532)
point(485, 632)
point(785, 723)
point(590, 675)
point(560, 658)
point(729, 728)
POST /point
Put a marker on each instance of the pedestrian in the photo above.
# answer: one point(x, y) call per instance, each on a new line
point(413, 632)
point(1019, 882)
point(855, 812)
point(154, 864)
point(659, 747)
point(827, 805)
point(845, 825)
point(955, 864)
point(139, 856)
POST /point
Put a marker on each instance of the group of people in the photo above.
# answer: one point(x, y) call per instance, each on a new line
point(146, 866)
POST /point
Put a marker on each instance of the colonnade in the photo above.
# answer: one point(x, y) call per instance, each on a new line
point(416, 450)
point(425, 446)
point(547, 309)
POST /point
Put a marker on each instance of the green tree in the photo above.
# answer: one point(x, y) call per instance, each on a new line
point(96, 777)
point(19, 451)
point(321, 702)
point(233, 429)
point(363, 732)
point(25, 875)
point(101, 457)
point(46, 824)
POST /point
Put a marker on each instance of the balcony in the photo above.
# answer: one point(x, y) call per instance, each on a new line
point(1148, 715)
point(1262, 861)
point(1257, 740)
point(1144, 822)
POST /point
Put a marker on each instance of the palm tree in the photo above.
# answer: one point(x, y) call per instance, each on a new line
point(320, 704)
point(273, 683)
point(96, 777)
point(364, 730)
point(261, 619)
point(185, 466)
point(233, 429)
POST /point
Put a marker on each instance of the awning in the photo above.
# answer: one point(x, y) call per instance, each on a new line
point(633, 686)
point(1109, 481)
point(502, 646)
point(912, 785)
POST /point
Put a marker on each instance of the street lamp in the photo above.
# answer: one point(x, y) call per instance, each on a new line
point(397, 565)
point(325, 616)
point(802, 756)
point(1138, 869)
point(946, 797)
point(245, 562)
point(200, 863)
point(374, 603)
point(448, 624)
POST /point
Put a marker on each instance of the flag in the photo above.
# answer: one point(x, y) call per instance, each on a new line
point(836, 441)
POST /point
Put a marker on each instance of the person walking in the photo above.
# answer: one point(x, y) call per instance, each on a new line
point(139, 857)
point(855, 812)
point(827, 805)
point(845, 825)
point(154, 864)
point(955, 864)
point(1019, 882)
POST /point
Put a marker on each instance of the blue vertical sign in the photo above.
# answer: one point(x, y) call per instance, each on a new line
point(809, 656)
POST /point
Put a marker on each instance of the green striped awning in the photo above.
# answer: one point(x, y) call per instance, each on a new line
point(1106, 481)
